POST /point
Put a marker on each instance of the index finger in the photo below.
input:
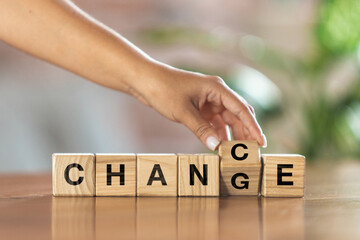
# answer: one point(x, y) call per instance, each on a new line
point(239, 107)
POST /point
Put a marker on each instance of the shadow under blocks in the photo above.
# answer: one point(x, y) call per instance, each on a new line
point(238, 169)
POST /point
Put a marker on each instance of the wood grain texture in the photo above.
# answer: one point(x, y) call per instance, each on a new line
point(146, 165)
point(247, 224)
point(332, 196)
point(73, 218)
point(198, 218)
point(115, 213)
point(239, 176)
point(252, 152)
point(277, 212)
point(115, 160)
point(61, 187)
point(156, 218)
point(243, 186)
point(210, 184)
point(294, 165)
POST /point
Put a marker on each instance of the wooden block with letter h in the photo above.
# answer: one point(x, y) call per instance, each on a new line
point(115, 174)
point(73, 174)
point(283, 175)
point(240, 168)
point(198, 175)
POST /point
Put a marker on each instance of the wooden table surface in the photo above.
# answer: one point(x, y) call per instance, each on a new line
point(329, 210)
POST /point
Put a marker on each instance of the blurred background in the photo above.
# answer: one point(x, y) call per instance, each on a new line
point(297, 62)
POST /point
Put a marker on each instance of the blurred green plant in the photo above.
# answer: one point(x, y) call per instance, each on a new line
point(330, 127)
point(337, 28)
point(331, 121)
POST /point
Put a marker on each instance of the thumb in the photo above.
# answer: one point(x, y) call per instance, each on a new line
point(201, 128)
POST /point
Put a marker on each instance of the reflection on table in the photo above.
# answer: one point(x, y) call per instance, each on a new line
point(177, 218)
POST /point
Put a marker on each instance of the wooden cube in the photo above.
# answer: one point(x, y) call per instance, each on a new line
point(156, 175)
point(198, 175)
point(73, 174)
point(283, 175)
point(115, 174)
point(240, 168)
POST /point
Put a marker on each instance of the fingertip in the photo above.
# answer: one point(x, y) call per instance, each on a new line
point(212, 143)
point(264, 140)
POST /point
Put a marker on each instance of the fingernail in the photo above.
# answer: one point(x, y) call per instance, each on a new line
point(265, 140)
point(212, 142)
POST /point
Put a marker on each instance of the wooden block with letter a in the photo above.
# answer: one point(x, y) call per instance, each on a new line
point(157, 175)
point(240, 168)
point(115, 174)
point(283, 175)
point(73, 174)
point(198, 175)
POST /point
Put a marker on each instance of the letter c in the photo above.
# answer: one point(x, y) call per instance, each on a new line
point(67, 171)
point(233, 152)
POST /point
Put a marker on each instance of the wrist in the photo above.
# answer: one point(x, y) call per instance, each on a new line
point(147, 80)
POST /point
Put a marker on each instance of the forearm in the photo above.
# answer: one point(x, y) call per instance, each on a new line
point(59, 32)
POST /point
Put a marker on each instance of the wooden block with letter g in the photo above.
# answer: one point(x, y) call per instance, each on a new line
point(198, 175)
point(115, 174)
point(283, 175)
point(240, 168)
point(157, 175)
point(73, 174)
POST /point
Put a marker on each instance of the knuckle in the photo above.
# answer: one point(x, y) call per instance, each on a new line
point(240, 108)
point(217, 80)
point(202, 129)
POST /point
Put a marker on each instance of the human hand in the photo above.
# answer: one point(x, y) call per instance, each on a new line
point(204, 104)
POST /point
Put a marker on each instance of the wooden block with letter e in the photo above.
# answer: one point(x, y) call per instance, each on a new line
point(73, 174)
point(198, 175)
point(115, 174)
point(240, 168)
point(283, 175)
point(157, 175)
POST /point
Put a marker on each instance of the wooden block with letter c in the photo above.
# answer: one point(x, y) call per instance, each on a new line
point(73, 174)
point(240, 168)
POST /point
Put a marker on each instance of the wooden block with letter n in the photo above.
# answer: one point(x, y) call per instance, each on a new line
point(240, 168)
point(157, 175)
point(115, 174)
point(73, 174)
point(198, 175)
point(283, 175)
